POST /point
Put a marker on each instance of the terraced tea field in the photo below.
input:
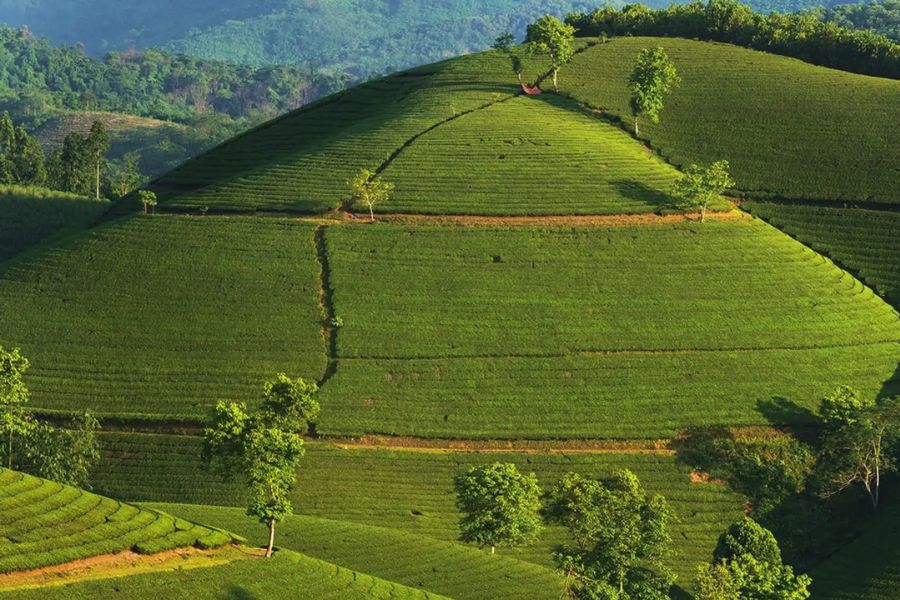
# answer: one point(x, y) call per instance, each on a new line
point(305, 160)
point(787, 127)
point(45, 523)
point(258, 579)
point(865, 242)
point(30, 215)
point(603, 332)
point(411, 491)
point(453, 569)
point(538, 156)
point(163, 316)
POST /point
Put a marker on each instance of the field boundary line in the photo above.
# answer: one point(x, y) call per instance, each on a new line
point(588, 220)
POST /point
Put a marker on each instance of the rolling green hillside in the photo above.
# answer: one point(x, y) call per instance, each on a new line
point(165, 315)
point(286, 572)
point(45, 523)
point(30, 215)
point(453, 569)
point(864, 242)
point(411, 491)
point(462, 333)
point(787, 127)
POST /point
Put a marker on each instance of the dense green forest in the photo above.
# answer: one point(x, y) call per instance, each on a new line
point(365, 37)
point(881, 17)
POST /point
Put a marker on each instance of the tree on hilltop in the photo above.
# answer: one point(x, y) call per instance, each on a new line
point(148, 199)
point(619, 536)
point(654, 75)
point(748, 564)
point(856, 441)
point(264, 448)
point(500, 505)
point(370, 191)
point(697, 188)
point(504, 44)
point(548, 35)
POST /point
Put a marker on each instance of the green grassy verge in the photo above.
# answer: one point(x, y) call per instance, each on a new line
point(452, 569)
point(29, 215)
point(44, 523)
point(164, 316)
point(787, 127)
point(287, 574)
point(465, 333)
point(865, 242)
point(410, 491)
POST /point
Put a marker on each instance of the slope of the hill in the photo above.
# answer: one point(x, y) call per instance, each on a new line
point(598, 332)
point(869, 567)
point(456, 570)
point(45, 523)
point(787, 127)
point(29, 215)
point(286, 574)
point(412, 491)
point(865, 242)
point(165, 315)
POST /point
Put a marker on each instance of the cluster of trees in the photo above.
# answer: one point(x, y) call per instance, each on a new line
point(66, 455)
point(882, 17)
point(618, 537)
point(21, 157)
point(801, 35)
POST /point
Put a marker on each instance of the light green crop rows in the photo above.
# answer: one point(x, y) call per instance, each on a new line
point(866, 242)
point(29, 215)
point(164, 316)
point(787, 127)
point(45, 523)
point(456, 570)
point(537, 155)
point(619, 332)
point(305, 160)
point(285, 575)
point(410, 491)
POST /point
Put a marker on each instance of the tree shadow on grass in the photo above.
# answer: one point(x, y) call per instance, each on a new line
point(236, 592)
point(658, 199)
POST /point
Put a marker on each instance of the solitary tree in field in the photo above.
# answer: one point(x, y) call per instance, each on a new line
point(265, 447)
point(500, 505)
point(96, 146)
point(548, 35)
point(619, 538)
point(653, 77)
point(370, 191)
point(148, 200)
point(856, 441)
point(748, 565)
point(697, 188)
point(14, 421)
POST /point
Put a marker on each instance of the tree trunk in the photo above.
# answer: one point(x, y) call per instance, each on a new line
point(9, 450)
point(519, 77)
point(271, 538)
point(637, 130)
point(877, 475)
point(555, 84)
point(492, 549)
point(702, 213)
point(98, 178)
point(371, 214)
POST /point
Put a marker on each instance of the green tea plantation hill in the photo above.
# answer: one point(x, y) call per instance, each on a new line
point(531, 293)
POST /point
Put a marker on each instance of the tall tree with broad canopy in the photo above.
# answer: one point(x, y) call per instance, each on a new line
point(264, 448)
point(500, 506)
point(856, 441)
point(14, 420)
point(548, 35)
point(748, 564)
point(697, 188)
point(96, 146)
point(619, 536)
point(370, 191)
point(653, 77)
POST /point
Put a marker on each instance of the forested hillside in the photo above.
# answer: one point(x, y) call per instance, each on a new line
point(881, 16)
point(363, 36)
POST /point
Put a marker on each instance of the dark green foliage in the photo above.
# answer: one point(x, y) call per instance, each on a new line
point(881, 16)
point(500, 506)
point(66, 455)
point(619, 538)
point(21, 157)
point(748, 537)
point(802, 36)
